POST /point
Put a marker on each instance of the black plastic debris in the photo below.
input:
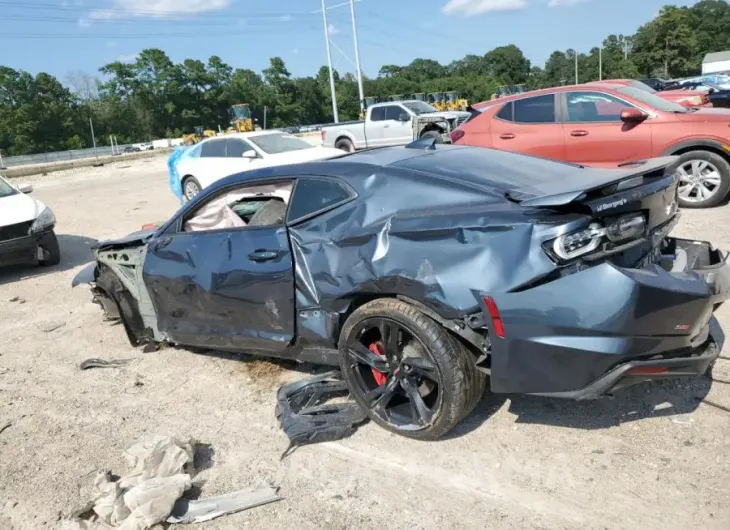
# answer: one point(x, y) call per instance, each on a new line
point(306, 416)
point(101, 363)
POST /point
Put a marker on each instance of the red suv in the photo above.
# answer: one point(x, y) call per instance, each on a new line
point(604, 125)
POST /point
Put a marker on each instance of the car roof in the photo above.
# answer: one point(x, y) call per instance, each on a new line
point(488, 169)
point(547, 91)
point(383, 103)
point(249, 134)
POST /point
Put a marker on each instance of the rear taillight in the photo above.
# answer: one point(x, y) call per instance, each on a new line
point(456, 135)
point(495, 316)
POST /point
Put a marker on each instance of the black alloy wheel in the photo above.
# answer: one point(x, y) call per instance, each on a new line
point(411, 376)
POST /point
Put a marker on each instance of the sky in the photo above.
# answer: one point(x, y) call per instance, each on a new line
point(65, 36)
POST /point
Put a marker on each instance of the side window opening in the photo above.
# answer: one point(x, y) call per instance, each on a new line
point(594, 107)
point(214, 149)
point(393, 112)
point(537, 109)
point(313, 195)
point(377, 114)
point(258, 205)
point(506, 113)
point(236, 147)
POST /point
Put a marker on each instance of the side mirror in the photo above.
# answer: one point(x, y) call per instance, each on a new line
point(633, 115)
point(25, 188)
point(404, 117)
point(250, 154)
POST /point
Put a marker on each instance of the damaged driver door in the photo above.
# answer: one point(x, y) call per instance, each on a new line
point(224, 279)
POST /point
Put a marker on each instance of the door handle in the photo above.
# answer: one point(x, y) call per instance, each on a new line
point(579, 133)
point(386, 126)
point(508, 136)
point(263, 255)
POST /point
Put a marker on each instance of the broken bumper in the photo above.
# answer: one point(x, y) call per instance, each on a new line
point(24, 250)
point(606, 327)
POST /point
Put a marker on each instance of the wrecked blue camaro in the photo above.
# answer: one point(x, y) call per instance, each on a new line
point(426, 270)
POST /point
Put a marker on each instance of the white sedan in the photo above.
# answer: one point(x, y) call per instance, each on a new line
point(26, 228)
point(219, 157)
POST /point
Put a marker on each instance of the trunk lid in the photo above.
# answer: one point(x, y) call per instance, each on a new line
point(582, 183)
point(644, 187)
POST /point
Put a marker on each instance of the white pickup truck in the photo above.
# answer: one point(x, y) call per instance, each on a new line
point(393, 123)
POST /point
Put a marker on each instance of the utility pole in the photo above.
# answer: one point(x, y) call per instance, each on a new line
point(329, 63)
point(265, 111)
point(576, 67)
point(600, 64)
point(357, 55)
point(93, 138)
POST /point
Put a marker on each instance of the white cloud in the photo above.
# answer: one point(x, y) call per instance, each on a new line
point(477, 7)
point(332, 30)
point(565, 3)
point(285, 18)
point(295, 51)
point(129, 58)
point(156, 8)
point(111, 44)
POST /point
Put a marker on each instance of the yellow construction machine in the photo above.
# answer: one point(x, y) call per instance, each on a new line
point(455, 102)
point(438, 100)
point(241, 118)
point(199, 135)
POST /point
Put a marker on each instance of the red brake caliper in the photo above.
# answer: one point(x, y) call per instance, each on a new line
point(380, 377)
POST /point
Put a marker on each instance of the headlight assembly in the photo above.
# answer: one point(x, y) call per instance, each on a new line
point(45, 219)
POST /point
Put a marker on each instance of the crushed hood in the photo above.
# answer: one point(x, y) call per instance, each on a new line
point(135, 238)
point(19, 208)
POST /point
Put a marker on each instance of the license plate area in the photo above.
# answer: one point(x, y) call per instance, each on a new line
point(684, 255)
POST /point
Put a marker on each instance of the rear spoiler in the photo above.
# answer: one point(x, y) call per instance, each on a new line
point(625, 172)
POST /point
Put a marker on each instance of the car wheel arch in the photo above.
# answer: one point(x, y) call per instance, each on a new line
point(713, 146)
point(455, 326)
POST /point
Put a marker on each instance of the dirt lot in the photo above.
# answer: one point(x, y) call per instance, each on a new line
point(653, 457)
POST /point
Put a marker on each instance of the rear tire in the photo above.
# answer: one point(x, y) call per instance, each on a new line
point(702, 173)
point(345, 145)
point(451, 390)
point(433, 134)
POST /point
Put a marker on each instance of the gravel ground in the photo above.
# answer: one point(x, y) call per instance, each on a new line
point(656, 456)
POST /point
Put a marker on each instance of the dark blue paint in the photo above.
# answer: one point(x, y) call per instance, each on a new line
point(208, 292)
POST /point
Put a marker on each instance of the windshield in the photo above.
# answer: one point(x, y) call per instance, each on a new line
point(642, 86)
point(6, 190)
point(275, 143)
point(419, 107)
point(713, 86)
point(652, 100)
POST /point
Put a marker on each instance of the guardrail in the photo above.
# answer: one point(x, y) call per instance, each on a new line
point(103, 153)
